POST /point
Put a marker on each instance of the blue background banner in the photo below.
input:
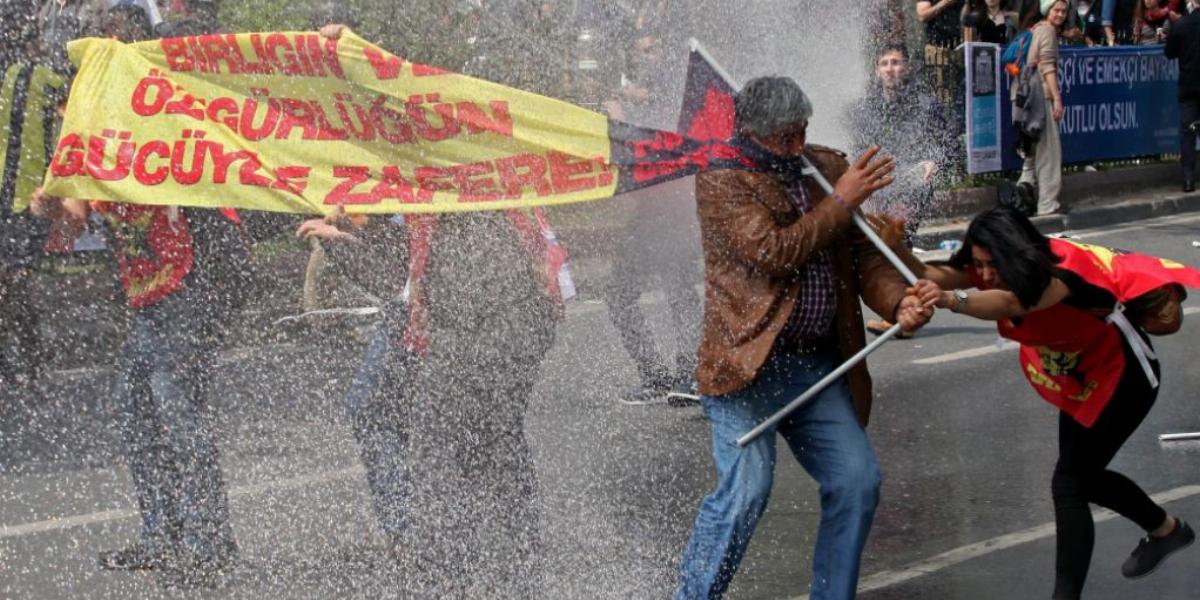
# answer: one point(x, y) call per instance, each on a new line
point(1120, 103)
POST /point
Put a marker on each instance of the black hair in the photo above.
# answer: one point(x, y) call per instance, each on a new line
point(1020, 253)
point(886, 48)
point(134, 15)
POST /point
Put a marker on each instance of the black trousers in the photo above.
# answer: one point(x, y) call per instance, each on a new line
point(1189, 112)
point(1082, 477)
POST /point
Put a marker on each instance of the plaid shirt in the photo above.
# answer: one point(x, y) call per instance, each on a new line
point(816, 307)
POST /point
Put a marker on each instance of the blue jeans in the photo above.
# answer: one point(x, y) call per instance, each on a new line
point(825, 437)
point(162, 387)
point(374, 409)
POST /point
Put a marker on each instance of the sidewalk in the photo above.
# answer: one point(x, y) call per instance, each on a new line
point(1093, 199)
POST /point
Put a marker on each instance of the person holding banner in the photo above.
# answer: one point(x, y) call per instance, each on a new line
point(483, 307)
point(184, 272)
point(375, 252)
point(1081, 314)
point(784, 269)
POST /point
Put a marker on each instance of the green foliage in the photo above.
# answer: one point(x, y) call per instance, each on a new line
point(266, 15)
point(427, 31)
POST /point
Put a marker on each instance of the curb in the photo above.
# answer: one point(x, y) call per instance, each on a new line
point(1158, 202)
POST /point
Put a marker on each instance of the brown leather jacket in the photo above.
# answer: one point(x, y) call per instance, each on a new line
point(754, 239)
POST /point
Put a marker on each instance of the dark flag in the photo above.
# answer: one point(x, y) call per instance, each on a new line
point(706, 125)
point(707, 110)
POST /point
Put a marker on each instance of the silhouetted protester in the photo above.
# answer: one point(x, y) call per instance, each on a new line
point(911, 125)
point(1043, 159)
point(184, 273)
point(784, 270)
point(482, 314)
point(61, 21)
point(1083, 329)
point(199, 19)
point(21, 238)
point(375, 254)
point(315, 282)
point(1184, 44)
point(656, 248)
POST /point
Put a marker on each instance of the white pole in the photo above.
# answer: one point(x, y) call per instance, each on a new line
point(818, 387)
point(1179, 437)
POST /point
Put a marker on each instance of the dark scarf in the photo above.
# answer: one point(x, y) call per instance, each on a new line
point(788, 169)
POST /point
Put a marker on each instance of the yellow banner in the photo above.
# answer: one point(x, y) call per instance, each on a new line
point(295, 122)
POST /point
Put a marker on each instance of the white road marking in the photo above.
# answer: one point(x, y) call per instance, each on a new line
point(994, 348)
point(12, 531)
point(962, 554)
point(1167, 220)
point(965, 354)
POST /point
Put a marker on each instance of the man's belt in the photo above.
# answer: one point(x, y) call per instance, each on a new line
point(809, 347)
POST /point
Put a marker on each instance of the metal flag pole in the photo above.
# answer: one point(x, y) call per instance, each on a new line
point(862, 355)
point(867, 230)
point(1179, 437)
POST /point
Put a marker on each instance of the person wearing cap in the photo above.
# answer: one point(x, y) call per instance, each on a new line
point(784, 271)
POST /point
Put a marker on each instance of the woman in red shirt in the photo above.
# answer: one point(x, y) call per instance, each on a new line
point(1072, 306)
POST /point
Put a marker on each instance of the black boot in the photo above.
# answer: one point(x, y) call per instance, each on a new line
point(1189, 185)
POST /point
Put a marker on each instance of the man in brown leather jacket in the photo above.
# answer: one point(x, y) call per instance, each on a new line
point(784, 270)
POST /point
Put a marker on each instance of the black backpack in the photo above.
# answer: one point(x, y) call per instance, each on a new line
point(1021, 197)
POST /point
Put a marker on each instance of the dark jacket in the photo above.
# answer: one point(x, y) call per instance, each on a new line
point(913, 127)
point(754, 242)
point(1183, 43)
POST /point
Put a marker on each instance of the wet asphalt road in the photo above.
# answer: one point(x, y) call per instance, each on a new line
point(967, 450)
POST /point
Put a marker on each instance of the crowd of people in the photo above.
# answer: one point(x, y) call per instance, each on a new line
point(471, 309)
point(1091, 23)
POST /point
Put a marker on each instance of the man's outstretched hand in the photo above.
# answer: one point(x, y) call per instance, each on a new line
point(867, 175)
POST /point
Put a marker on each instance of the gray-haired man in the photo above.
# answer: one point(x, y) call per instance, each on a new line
point(784, 270)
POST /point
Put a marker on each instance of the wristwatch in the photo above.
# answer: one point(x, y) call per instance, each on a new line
point(960, 300)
